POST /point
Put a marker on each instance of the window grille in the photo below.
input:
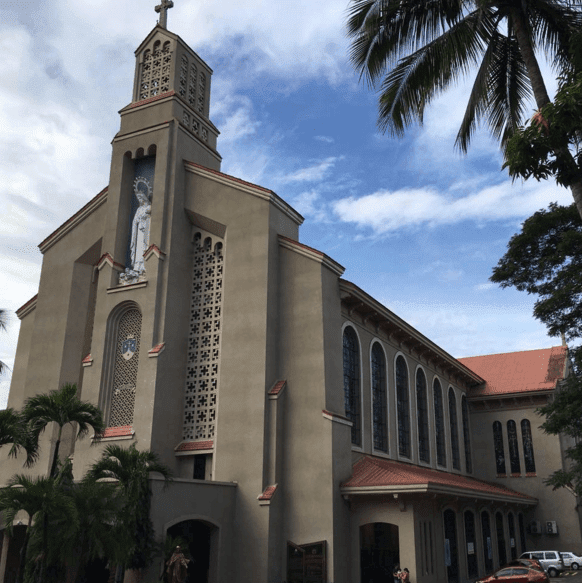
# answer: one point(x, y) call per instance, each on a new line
point(422, 414)
point(155, 71)
point(439, 419)
point(512, 543)
point(513, 448)
point(499, 449)
point(204, 341)
point(521, 525)
point(528, 453)
point(486, 539)
point(500, 538)
point(192, 86)
point(183, 76)
point(472, 565)
point(125, 371)
point(402, 407)
point(379, 399)
point(351, 355)
point(454, 430)
point(201, 92)
point(466, 435)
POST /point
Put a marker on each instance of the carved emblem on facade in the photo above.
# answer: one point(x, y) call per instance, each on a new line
point(128, 347)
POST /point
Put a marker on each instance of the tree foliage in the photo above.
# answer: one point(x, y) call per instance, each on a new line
point(545, 259)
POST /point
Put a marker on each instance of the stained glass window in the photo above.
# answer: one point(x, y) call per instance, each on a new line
point(352, 383)
point(466, 436)
point(439, 422)
point(499, 449)
point(422, 414)
point(513, 449)
point(528, 453)
point(403, 407)
point(379, 398)
point(454, 429)
point(486, 539)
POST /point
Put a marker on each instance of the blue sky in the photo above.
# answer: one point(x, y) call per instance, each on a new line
point(416, 224)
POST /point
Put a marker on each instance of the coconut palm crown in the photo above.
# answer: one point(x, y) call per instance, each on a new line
point(417, 48)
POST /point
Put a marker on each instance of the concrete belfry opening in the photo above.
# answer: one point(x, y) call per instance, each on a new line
point(379, 551)
point(202, 546)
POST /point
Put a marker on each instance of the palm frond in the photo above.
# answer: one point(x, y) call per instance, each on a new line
point(418, 78)
point(14, 430)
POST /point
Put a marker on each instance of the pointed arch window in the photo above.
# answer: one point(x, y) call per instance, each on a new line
point(439, 422)
point(466, 435)
point(454, 429)
point(351, 355)
point(499, 449)
point(379, 409)
point(513, 448)
point(528, 453)
point(422, 415)
point(402, 407)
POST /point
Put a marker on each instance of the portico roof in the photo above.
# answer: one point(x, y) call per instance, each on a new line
point(373, 475)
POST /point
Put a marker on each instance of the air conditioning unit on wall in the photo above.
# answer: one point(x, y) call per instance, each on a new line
point(551, 527)
point(535, 527)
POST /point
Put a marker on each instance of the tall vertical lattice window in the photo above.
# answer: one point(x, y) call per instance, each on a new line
point(466, 435)
point(486, 539)
point(422, 414)
point(402, 407)
point(204, 340)
point(513, 448)
point(352, 383)
point(127, 346)
point(454, 429)
point(201, 92)
point(379, 398)
point(155, 71)
point(499, 449)
point(528, 453)
point(439, 423)
point(470, 539)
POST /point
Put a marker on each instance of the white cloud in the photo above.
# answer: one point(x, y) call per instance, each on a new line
point(325, 139)
point(386, 211)
point(485, 286)
point(313, 173)
point(310, 205)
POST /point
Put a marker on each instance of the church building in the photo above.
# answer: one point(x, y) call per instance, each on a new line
point(315, 436)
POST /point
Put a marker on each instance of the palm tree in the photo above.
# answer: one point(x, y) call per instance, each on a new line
point(14, 430)
point(417, 48)
point(131, 469)
point(62, 407)
point(41, 498)
point(3, 326)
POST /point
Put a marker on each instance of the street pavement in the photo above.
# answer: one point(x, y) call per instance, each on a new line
point(569, 577)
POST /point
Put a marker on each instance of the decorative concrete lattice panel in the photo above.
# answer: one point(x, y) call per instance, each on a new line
point(155, 71)
point(125, 373)
point(201, 92)
point(204, 340)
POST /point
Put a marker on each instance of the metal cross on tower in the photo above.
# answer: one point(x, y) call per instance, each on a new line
point(163, 10)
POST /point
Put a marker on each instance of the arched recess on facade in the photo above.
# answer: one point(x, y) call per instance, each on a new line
point(352, 375)
point(379, 397)
point(202, 535)
point(422, 415)
point(451, 541)
point(120, 364)
point(486, 538)
point(379, 551)
point(403, 400)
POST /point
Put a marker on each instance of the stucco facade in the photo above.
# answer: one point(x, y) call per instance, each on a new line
point(234, 340)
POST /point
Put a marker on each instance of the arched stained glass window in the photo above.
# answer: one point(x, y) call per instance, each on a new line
point(454, 429)
point(422, 415)
point(352, 382)
point(466, 435)
point(379, 398)
point(528, 453)
point(402, 407)
point(499, 449)
point(470, 539)
point(513, 449)
point(439, 423)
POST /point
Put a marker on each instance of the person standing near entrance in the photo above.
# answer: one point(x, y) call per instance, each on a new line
point(404, 575)
point(396, 573)
point(177, 567)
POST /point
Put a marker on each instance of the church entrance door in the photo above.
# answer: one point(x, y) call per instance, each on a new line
point(379, 552)
point(201, 540)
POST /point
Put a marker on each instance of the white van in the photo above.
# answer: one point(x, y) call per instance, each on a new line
point(549, 560)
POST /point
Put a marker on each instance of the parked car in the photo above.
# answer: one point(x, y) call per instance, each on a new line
point(530, 563)
point(516, 575)
point(571, 560)
point(549, 560)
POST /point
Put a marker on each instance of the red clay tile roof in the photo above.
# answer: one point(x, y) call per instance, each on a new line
point(268, 493)
point(194, 445)
point(518, 372)
point(157, 348)
point(374, 475)
point(279, 386)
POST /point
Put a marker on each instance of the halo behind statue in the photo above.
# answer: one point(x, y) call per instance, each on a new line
point(147, 191)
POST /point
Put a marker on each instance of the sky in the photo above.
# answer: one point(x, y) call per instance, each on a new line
point(416, 224)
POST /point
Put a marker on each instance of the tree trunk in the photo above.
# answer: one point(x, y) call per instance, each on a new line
point(56, 455)
point(541, 94)
point(20, 572)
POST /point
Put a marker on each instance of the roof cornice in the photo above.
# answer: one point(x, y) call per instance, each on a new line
point(75, 220)
point(357, 300)
point(312, 254)
point(27, 308)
